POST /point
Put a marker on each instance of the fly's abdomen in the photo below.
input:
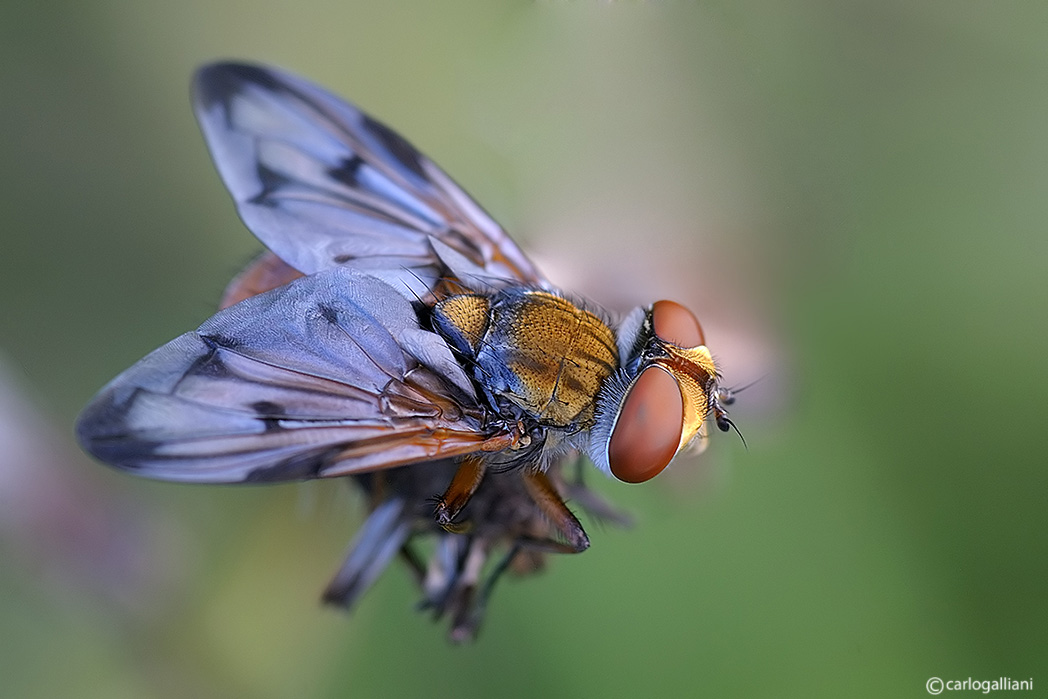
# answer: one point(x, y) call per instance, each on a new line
point(536, 350)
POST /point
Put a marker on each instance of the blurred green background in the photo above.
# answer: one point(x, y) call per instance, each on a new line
point(851, 195)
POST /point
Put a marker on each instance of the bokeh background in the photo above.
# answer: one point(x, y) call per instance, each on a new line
point(851, 195)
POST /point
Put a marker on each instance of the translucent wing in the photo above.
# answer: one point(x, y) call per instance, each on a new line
point(322, 184)
point(326, 376)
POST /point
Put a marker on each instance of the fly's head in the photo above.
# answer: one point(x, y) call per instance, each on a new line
point(657, 404)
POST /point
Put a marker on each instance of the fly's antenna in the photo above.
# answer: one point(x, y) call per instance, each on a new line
point(725, 423)
point(726, 394)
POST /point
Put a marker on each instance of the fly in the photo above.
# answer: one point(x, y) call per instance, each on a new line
point(394, 325)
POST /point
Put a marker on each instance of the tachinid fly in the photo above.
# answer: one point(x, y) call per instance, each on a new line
point(396, 334)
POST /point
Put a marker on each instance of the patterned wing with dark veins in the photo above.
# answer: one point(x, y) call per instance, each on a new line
point(322, 184)
point(328, 375)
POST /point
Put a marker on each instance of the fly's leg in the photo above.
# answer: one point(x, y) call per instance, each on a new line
point(385, 532)
point(466, 481)
point(547, 498)
point(413, 561)
point(593, 504)
point(465, 618)
point(442, 573)
point(467, 622)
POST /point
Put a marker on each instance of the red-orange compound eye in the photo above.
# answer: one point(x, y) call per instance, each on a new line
point(675, 323)
point(647, 433)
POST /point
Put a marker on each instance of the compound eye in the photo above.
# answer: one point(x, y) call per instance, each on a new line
point(648, 430)
point(675, 323)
